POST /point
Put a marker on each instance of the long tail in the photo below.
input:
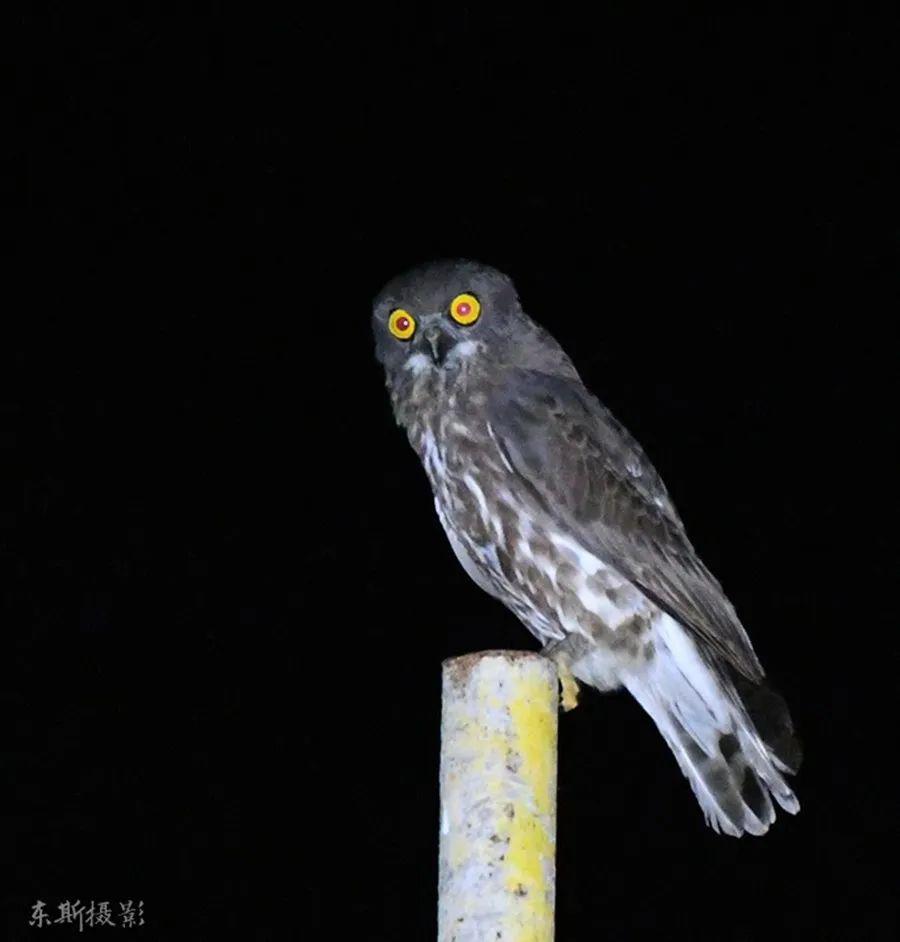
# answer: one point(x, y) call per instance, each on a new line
point(732, 770)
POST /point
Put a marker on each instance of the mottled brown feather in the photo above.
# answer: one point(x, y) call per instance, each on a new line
point(592, 478)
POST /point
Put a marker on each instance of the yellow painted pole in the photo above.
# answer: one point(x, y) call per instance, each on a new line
point(498, 798)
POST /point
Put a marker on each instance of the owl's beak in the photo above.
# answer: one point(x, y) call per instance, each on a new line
point(439, 344)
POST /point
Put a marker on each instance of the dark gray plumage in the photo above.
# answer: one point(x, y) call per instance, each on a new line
point(552, 507)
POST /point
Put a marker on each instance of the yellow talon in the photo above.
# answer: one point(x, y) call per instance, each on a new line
point(569, 698)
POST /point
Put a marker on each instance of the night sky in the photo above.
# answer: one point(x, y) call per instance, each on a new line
point(226, 595)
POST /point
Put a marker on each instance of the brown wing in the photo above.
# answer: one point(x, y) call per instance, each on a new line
point(590, 476)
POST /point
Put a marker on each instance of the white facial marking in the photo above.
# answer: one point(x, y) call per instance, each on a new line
point(463, 350)
point(417, 363)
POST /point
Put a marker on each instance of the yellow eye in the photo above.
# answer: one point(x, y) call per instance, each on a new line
point(465, 309)
point(401, 324)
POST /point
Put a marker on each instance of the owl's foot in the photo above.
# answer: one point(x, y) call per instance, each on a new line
point(560, 652)
point(569, 697)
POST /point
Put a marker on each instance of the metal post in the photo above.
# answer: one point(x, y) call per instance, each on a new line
point(498, 798)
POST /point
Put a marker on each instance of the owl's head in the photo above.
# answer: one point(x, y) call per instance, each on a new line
point(440, 315)
point(448, 323)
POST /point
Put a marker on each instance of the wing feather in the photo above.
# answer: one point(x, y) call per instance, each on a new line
point(593, 479)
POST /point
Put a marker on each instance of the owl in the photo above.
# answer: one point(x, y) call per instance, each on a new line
point(553, 508)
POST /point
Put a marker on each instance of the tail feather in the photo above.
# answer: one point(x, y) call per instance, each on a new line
point(772, 719)
point(732, 771)
point(727, 788)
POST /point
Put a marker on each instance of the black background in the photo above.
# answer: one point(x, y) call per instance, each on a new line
point(226, 595)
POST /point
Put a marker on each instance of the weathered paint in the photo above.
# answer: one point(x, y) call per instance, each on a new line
point(498, 798)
